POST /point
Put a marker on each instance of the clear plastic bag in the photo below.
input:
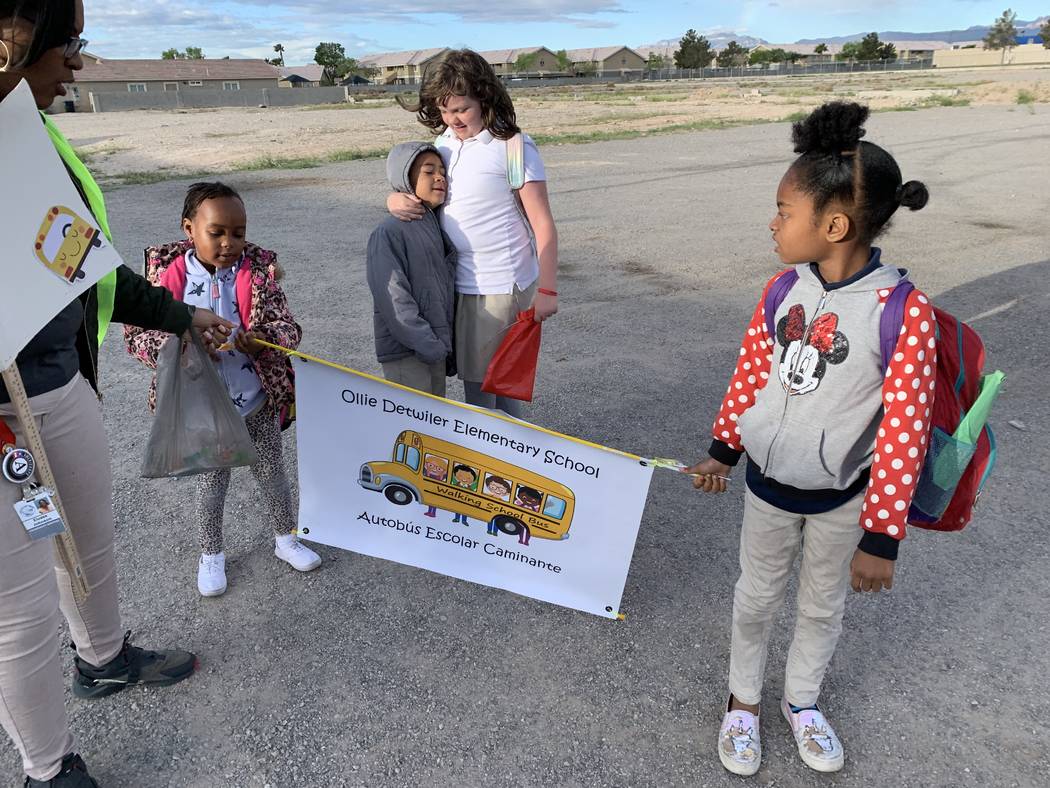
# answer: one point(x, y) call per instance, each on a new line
point(196, 427)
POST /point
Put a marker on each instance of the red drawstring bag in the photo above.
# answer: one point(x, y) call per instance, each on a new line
point(512, 371)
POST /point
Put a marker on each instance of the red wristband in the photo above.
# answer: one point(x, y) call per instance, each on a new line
point(545, 291)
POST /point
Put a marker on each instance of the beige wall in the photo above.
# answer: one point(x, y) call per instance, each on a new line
point(83, 90)
point(1026, 54)
point(621, 61)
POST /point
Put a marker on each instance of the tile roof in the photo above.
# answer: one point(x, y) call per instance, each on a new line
point(412, 57)
point(498, 56)
point(310, 72)
point(596, 55)
point(174, 70)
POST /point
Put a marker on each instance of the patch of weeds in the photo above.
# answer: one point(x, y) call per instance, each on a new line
point(794, 117)
point(349, 105)
point(279, 163)
point(88, 155)
point(1025, 97)
point(149, 177)
point(631, 134)
point(683, 97)
point(945, 101)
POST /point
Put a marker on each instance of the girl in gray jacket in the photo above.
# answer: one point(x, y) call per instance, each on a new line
point(411, 273)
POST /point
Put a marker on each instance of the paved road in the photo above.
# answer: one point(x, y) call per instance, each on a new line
point(369, 673)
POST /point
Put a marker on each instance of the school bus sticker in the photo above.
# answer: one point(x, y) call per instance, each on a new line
point(64, 242)
point(446, 476)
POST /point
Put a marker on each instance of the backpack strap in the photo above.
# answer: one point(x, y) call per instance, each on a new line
point(516, 161)
point(892, 319)
point(775, 297)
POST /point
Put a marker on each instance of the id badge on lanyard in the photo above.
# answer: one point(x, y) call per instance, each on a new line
point(37, 509)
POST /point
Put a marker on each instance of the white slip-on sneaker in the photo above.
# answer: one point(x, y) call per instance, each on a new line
point(211, 574)
point(294, 552)
point(818, 746)
point(739, 743)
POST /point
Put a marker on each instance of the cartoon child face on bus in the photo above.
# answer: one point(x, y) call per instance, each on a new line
point(497, 487)
point(464, 476)
point(435, 467)
point(64, 242)
point(528, 498)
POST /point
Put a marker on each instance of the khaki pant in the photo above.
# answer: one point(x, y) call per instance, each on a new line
point(481, 323)
point(412, 372)
point(770, 540)
point(34, 586)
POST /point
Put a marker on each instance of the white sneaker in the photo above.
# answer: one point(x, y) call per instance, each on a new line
point(739, 743)
point(818, 746)
point(294, 552)
point(211, 574)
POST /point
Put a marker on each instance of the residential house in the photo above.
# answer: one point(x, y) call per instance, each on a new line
point(664, 51)
point(504, 61)
point(919, 50)
point(308, 76)
point(401, 68)
point(606, 60)
point(808, 53)
point(102, 75)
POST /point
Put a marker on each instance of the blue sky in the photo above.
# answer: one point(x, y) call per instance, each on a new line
point(249, 28)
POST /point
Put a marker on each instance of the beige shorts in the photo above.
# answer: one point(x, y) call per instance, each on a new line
point(481, 323)
point(412, 372)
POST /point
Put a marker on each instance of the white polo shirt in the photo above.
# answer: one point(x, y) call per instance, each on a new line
point(481, 216)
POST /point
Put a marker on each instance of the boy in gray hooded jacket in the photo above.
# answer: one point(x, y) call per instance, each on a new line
point(411, 273)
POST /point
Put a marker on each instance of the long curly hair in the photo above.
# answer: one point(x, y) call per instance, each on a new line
point(463, 72)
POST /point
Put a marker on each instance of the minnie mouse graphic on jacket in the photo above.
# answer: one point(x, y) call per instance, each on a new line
point(817, 416)
point(261, 306)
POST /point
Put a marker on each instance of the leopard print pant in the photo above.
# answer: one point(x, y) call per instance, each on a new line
point(269, 473)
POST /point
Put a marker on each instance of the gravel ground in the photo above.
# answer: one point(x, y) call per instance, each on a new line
point(369, 673)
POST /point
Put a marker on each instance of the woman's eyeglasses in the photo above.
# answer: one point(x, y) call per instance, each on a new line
point(74, 47)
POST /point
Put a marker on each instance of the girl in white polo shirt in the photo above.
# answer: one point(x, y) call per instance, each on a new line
point(508, 250)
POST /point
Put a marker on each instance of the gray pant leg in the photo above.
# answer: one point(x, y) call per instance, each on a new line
point(475, 396)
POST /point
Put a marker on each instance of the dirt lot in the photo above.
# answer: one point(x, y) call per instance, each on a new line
point(147, 146)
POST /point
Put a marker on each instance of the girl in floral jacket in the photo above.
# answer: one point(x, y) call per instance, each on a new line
point(217, 269)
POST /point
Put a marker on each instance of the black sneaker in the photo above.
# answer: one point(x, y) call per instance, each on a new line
point(73, 775)
point(132, 665)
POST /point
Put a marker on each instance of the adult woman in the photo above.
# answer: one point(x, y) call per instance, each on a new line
point(40, 43)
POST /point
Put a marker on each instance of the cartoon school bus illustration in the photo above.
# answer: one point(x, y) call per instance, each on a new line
point(470, 484)
point(64, 242)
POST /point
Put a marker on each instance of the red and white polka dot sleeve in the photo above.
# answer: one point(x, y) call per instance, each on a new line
point(750, 375)
point(907, 397)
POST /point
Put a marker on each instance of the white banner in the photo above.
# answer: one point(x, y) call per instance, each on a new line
point(423, 481)
point(51, 249)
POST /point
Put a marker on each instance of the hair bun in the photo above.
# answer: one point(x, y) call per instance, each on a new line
point(913, 195)
point(835, 127)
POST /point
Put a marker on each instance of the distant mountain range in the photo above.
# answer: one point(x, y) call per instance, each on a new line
point(976, 33)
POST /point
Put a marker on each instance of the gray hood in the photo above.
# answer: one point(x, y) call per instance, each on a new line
point(399, 162)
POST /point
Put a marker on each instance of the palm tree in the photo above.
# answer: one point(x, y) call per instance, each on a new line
point(279, 49)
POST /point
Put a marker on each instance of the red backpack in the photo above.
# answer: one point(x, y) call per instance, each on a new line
point(961, 452)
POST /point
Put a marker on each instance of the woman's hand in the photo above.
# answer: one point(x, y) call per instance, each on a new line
point(214, 330)
point(545, 306)
point(245, 341)
point(406, 207)
point(710, 475)
point(870, 573)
